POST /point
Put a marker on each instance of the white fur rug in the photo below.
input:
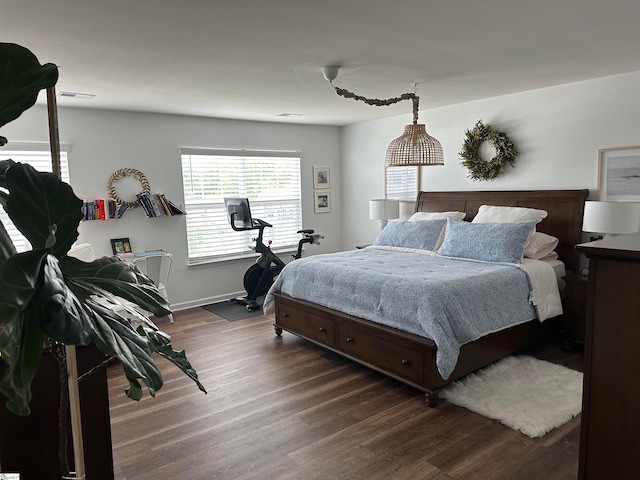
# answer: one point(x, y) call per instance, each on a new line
point(524, 393)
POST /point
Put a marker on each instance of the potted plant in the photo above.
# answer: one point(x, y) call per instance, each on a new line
point(48, 296)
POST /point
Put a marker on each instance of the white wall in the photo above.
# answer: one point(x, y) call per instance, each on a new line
point(103, 141)
point(557, 131)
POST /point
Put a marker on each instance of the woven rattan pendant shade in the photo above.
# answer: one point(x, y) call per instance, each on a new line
point(414, 147)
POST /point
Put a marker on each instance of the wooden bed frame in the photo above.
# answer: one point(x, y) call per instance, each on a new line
point(411, 358)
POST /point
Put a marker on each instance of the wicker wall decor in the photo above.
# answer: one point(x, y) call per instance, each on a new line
point(124, 172)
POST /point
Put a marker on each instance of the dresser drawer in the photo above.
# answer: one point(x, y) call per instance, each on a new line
point(396, 357)
point(307, 324)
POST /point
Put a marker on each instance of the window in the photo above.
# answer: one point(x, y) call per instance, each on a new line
point(39, 157)
point(401, 183)
point(271, 182)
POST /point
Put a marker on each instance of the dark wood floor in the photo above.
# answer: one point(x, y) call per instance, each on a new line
point(282, 408)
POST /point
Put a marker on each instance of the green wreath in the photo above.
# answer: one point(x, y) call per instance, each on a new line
point(481, 169)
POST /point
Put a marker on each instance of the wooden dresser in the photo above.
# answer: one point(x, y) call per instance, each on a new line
point(610, 428)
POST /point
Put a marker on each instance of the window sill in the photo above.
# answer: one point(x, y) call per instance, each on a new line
point(238, 258)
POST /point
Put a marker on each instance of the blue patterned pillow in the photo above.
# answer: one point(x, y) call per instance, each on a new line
point(491, 242)
point(420, 235)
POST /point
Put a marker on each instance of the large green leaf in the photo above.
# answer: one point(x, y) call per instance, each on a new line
point(43, 208)
point(21, 344)
point(113, 278)
point(21, 338)
point(160, 343)
point(117, 277)
point(21, 78)
point(61, 315)
point(116, 337)
point(20, 276)
point(7, 249)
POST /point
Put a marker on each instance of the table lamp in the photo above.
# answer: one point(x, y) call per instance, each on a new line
point(611, 218)
point(384, 209)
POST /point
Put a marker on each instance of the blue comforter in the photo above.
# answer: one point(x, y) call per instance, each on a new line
point(451, 301)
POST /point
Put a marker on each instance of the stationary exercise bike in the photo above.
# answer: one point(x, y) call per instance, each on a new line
point(260, 276)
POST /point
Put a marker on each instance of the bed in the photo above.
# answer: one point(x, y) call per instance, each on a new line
point(407, 354)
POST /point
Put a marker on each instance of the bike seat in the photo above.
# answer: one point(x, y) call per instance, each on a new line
point(307, 231)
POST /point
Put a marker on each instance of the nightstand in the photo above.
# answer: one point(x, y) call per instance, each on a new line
point(575, 309)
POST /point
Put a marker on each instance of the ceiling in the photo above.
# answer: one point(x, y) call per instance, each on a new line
point(256, 59)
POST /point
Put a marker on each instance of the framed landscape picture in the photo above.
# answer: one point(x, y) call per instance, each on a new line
point(619, 174)
point(321, 177)
point(322, 201)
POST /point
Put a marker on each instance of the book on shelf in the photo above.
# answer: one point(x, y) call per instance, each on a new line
point(120, 211)
point(157, 205)
point(101, 209)
point(157, 212)
point(164, 211)
point(111, 208)
point(144, 202)
point(175, 210)
point(101, 213)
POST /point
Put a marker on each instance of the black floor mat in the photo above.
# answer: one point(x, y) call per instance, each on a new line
point(232, 311)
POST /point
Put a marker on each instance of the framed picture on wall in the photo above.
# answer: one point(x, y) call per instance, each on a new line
point(619, 174)
point(321, 177)
point(322, 201)
point(121, 246)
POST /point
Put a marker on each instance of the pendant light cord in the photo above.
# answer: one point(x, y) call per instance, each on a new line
point(382, 103)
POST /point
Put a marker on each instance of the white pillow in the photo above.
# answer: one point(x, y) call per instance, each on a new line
point(540, 246)
point(495, 214)
point(420, 216)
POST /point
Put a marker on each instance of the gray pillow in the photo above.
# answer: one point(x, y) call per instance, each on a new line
point(491, 242)
point(419, 235)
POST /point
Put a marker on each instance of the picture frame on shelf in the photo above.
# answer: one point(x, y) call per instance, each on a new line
point(121, 247)
point(322, 201)
point(321, 177)
point(619, 174)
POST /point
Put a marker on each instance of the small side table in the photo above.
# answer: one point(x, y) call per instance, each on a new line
point(575, 309)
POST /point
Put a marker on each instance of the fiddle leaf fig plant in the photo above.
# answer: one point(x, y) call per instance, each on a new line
point(47, 295)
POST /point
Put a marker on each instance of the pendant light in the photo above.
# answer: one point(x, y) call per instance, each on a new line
point(415, 147)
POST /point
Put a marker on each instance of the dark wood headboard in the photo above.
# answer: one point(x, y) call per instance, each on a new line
point(565, 209)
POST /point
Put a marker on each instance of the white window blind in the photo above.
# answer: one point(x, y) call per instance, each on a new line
point(401, 183)
point(271, 182)
point(39, 157)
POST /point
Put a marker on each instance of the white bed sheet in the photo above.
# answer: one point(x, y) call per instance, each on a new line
point(559, 269)
point(545, 291)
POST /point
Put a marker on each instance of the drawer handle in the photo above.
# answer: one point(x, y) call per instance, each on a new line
point(405, 362)
point(285, 315)
point(349, 340)
point(323, 330)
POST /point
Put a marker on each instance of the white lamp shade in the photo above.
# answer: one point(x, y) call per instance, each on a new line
point(611, 217)
point(407, 208)
point(384, 209)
